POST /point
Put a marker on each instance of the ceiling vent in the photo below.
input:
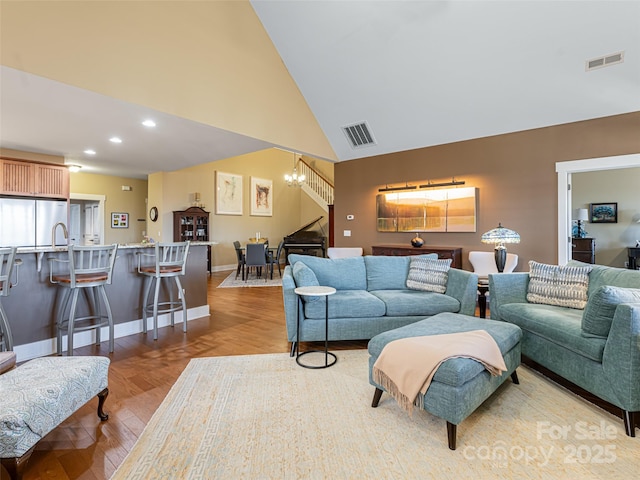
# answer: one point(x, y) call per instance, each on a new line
point(359, 135)
point(606, 61)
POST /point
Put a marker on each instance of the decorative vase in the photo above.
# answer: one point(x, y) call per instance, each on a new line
point(417, 241)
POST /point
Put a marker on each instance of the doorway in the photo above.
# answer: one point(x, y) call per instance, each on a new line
point(86, 219)
point(564, 171)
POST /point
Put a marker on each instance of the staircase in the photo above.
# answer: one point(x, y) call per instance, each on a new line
point(316, 186)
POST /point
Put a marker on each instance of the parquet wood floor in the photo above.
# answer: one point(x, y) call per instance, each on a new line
point(242, 321)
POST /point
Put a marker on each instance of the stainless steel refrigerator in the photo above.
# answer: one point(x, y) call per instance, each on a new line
point(29, 222)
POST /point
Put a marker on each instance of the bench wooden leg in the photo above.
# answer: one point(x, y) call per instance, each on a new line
point(376, 397)
point(451, 435)
point(15, 466)
point(102, 397)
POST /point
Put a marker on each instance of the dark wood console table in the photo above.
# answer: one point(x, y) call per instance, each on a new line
point(583, 250)
point(398, 249)
point(634, 254)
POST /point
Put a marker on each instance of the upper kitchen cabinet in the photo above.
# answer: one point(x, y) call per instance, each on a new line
point(32, 179)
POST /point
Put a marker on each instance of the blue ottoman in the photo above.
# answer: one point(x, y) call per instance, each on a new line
point(460, 385)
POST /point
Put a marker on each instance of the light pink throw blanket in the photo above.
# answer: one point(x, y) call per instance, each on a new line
point(406, 366)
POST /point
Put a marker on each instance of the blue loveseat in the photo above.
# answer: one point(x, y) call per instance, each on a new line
point(596, 348)
point(372, 297)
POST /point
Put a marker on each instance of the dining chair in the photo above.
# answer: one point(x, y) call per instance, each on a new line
point(256, 256)
point(240, 257)
point(276, 259)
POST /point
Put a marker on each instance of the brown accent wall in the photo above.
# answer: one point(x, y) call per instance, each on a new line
point(514, 173)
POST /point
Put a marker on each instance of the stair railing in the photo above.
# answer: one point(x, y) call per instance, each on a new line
point(316, 182)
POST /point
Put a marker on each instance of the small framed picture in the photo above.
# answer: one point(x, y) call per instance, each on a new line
point(119, 220)
point(603, 212)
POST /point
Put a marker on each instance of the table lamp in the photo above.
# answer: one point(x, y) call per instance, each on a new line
point(582, 215)
point(499, 236)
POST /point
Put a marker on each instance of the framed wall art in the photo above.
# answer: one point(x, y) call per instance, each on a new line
point(261, 197)
point(603, 212)
point(442, 210)
point(228, 194)
point(119, 220)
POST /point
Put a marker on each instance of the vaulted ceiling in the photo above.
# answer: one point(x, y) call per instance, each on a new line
point(226, 78)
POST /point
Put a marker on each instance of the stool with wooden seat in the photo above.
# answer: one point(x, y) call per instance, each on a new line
point(170, 261)
point(89, 269)
point(7, 262)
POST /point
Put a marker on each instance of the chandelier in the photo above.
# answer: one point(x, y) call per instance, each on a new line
point(294, 180)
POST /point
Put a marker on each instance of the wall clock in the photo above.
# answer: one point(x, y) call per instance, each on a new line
point(153, 214)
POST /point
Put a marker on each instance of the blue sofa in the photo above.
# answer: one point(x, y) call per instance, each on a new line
point(372, 297)
point(596, 348)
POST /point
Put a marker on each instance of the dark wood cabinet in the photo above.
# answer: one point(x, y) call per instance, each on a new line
point(583, 249)
point(454, 253)
point(192, 225)
point(634, 255)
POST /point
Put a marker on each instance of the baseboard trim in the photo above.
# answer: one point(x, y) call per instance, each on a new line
point(43, 348)
point(224, 268)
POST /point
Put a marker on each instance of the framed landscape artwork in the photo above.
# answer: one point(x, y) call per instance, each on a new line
point(261, 197)
point(228, 194)
point(442, 210)
point(603, 212)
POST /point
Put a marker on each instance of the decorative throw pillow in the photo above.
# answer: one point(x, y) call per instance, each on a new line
point(602, 304)
point(428, 274)
point(304, 277)
point(562, 286)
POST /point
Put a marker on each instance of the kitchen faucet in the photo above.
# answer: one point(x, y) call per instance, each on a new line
point(53, 233)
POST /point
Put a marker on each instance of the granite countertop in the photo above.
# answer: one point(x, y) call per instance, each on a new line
point(121, 246)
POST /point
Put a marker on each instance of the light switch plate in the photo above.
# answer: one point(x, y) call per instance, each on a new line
point(347, 233)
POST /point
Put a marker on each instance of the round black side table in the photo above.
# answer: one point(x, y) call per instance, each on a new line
point(319, 291)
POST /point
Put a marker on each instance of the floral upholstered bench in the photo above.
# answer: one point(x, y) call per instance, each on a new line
point(39, 395)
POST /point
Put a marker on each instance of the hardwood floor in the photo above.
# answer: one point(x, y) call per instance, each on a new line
point(243, 321)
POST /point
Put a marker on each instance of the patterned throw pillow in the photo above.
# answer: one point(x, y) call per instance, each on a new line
point(562, 286)
point(428, 275)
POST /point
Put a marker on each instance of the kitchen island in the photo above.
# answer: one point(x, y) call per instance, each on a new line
point(32, 304)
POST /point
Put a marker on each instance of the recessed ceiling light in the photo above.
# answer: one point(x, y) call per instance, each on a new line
point(149, 123)
point(115, 140)
point(90, 152)
point(74, 168)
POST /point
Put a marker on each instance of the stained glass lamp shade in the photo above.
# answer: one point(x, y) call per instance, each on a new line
point(499, 236)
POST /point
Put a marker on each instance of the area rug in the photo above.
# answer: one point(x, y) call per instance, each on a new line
point(252, 281)
point(265, 417)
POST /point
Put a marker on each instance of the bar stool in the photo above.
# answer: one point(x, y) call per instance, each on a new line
point(170, 262)
point(90, 269)
point(7, 262)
